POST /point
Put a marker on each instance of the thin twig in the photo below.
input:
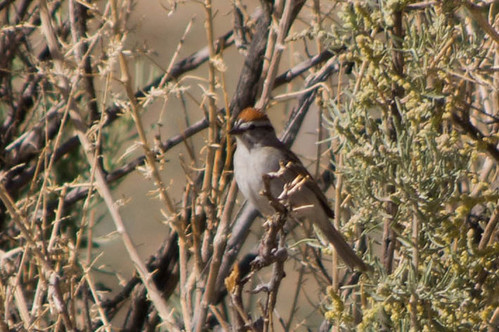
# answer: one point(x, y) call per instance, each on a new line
point(489, 229)
point(278, 48)
point(219, 244)
point(337, 224)
point(45, 264)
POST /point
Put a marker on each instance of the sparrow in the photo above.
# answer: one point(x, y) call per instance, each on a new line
point(259, 153)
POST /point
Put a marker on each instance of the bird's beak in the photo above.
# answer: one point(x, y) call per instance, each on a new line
point(235, 131)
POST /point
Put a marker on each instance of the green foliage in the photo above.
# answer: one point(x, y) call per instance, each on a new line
point(417, 162)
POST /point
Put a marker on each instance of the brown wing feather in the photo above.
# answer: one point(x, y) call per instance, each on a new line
point(342, 247)
point(298, 168)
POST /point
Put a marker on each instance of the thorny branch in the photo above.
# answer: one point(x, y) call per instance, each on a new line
point(272, 252)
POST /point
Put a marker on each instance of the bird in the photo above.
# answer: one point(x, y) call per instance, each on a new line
point(259, 152)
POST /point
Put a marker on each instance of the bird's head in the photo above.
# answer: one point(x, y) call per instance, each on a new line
point(252, 127)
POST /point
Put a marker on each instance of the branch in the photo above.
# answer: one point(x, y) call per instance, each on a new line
point(476, 134)
point(26, 147)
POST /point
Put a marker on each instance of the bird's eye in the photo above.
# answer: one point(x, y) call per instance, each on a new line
point(251, 127)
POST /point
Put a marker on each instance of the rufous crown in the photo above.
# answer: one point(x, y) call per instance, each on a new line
point(250, 114)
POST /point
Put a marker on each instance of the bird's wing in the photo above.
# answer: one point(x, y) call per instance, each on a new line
point(297, 168)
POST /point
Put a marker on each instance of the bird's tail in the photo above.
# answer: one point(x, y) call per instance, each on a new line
point(342, 247)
